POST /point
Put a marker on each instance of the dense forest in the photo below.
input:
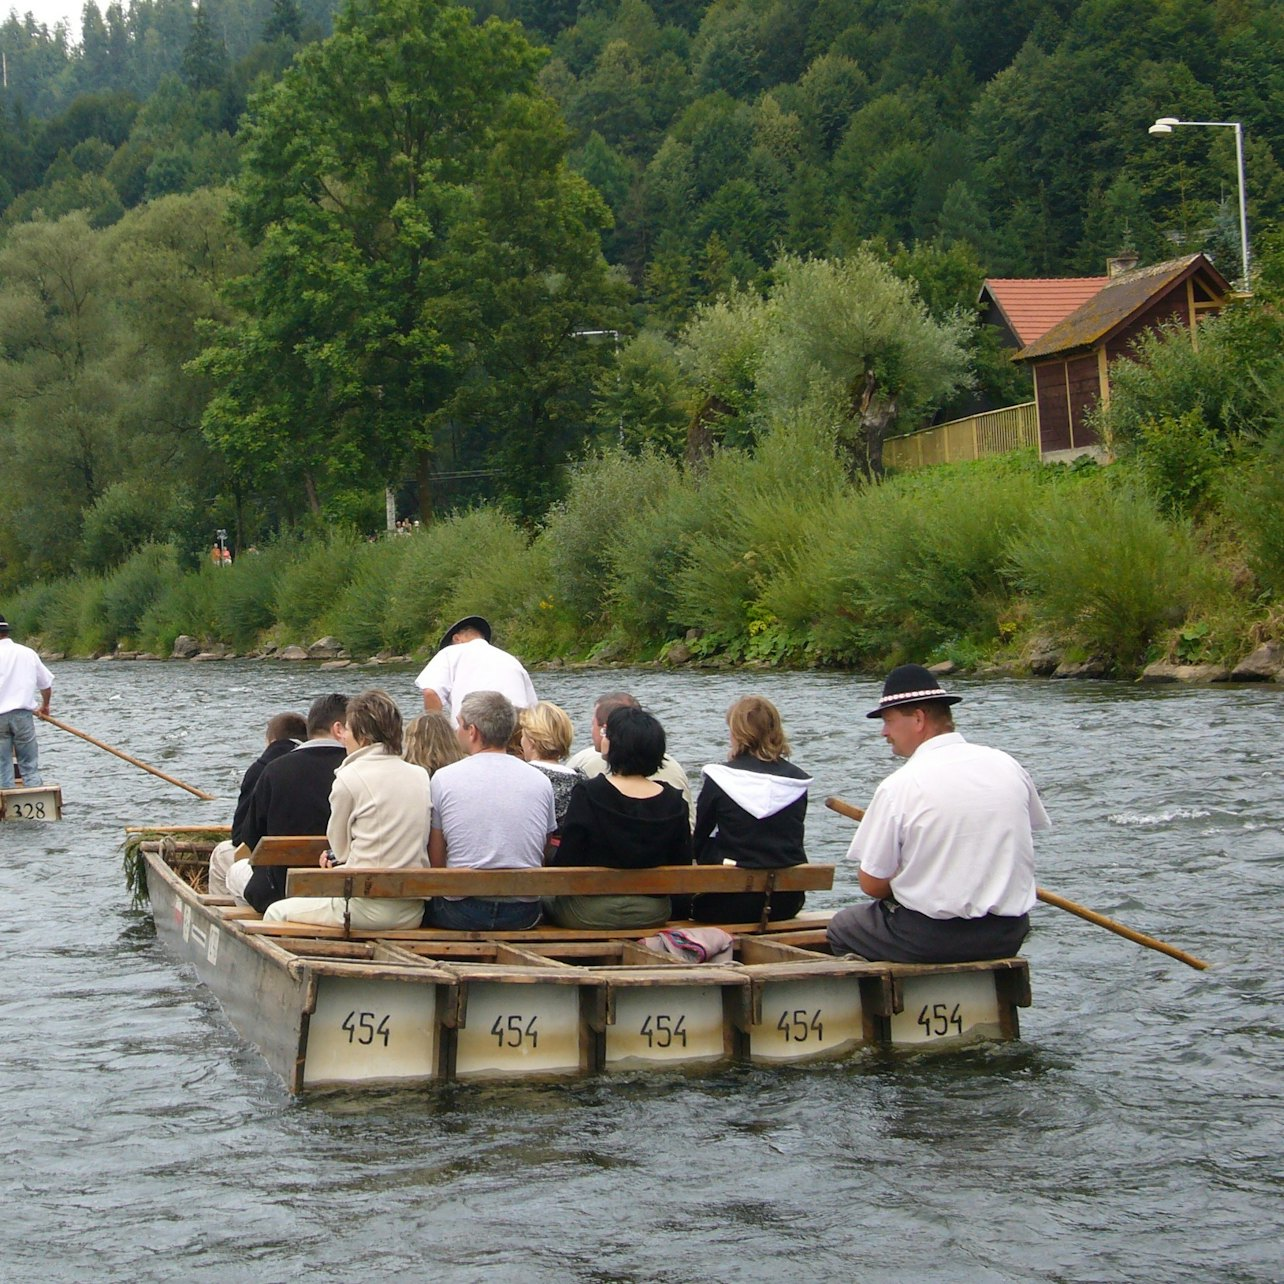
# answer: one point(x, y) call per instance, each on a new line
point(266, 261)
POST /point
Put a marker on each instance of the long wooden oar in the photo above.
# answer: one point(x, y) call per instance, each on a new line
point(1071, 907)
point(120, 753)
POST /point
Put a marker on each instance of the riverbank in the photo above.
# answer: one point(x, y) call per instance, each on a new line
point(773, 559)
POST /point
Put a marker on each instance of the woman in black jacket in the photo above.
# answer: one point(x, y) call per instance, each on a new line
point(623, 820)
point(751, 812)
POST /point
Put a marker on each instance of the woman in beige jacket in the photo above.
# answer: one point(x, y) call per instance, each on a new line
point(380, 807)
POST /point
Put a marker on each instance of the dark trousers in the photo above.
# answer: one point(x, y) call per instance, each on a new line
point(743, 907)
point(885, 932)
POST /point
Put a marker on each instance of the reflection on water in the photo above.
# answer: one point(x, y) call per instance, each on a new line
point(1133, 1133)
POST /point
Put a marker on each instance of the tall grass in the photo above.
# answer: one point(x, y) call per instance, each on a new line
point(129, 591)
point(1103, 570)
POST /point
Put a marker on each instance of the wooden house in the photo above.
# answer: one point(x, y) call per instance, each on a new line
point(1070, 360)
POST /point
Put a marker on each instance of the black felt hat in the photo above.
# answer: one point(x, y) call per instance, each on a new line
point(468, 622)
point(911, 684)
point(4, 625)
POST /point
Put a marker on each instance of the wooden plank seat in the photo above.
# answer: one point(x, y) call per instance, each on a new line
point(580, 880)
point(294, 851)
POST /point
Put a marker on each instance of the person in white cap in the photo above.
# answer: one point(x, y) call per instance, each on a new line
point(946, 848)
point(466, 662)
point(26, 685)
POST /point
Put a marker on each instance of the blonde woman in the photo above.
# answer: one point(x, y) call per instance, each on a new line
point(432, 742)
point(751, 812)
point(546, 734)
point(380, 809)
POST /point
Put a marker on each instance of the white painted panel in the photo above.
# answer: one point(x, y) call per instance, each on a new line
point(951, 1007)
point(371, 1030)
point(671, 1025)
point(39, 802)
point(515, 1030)
point(808, 1017)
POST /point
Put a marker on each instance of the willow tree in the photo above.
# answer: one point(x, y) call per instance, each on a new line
point(402, 267)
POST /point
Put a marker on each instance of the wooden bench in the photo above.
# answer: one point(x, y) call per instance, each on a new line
point(586, 880)
point(294, 851)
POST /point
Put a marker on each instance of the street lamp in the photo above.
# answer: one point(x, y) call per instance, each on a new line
point(1166, 125)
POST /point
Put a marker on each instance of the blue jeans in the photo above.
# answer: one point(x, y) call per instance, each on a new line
point(18, 734)
point(476, 914)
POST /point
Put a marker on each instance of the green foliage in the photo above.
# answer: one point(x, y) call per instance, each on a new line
point(1102, 569)
point(587, 534)
point(131, 589)
point(1252, 501)
point(128, 515)
point(357, 616)
point(1181, 459)
point(309, 583)
point(474, 563)
point(899, 569)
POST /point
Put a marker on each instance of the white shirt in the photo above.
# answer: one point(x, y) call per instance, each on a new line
point(952, 831)
point(22, 677)
point(464, 667)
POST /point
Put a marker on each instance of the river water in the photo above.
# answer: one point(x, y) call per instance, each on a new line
point(1134, 1133)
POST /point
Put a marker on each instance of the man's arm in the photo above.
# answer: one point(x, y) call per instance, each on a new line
point(879, 888)
point(432, 701)
point(45, 695)
point(436, 849)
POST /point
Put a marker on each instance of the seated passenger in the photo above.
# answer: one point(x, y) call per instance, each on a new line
point(379, 817)
point(431, 742)
point(751, 813)
point(284, 732)
point(292, 797)
point(624, 820)
point(546, 733)
point(490, 810)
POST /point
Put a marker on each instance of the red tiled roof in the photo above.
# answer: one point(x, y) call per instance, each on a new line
point(1119, 300)
point(1033, 305)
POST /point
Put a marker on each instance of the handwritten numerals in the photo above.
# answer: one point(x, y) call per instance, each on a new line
point(662, 1031)
point(939, 1019)
point(366, 1027)
point(515, 1031)
point(800, 1025)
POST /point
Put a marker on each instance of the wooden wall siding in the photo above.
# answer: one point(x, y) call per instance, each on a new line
point(1054, 413)
point(993, 432)
point(1083, 389)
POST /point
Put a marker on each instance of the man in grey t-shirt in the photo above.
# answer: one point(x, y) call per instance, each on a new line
point(489, 811)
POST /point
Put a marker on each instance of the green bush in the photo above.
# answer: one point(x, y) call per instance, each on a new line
point(1103, 570)
point(188, 606)
point(129, 591)
point(1252, 500)
point(583, 534)
point(30, 609)
point(128, 516)
point(900, 570)
point(358, 617)
point(1180, 458)
point(244, 595)
point(474, 563)
point(309, 583)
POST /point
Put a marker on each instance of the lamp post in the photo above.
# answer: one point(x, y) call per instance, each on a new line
point(1166, 125)
point(615, 336)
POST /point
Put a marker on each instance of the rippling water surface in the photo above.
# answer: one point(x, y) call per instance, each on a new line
point(1133, 1134)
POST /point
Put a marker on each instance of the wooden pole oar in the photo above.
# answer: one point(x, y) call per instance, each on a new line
point(1071, 907)
point(120, 753)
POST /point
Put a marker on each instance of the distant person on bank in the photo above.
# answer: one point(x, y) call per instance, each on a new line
point(592, 762)
point(285, 731)
point(751, 813)
point(379, 817)
point(292, 798)
point(490, 810)
point(26, 687)
point(946, 849)
point(625, 819)
point(466, 662)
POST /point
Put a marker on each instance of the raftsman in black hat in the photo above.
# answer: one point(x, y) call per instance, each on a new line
point(468, 622)
point(911, 684)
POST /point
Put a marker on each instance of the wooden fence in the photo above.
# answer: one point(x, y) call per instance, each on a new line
point(993, 432)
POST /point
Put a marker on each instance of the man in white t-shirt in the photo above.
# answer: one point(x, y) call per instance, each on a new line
point(466, 662)
point(25, 685)
point(490, 810)
point(946, 848)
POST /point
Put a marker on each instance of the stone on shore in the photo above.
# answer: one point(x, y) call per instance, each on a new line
point(1264, 665)
point(1164, 671)
point(327, 648)
point(337, 664)
point(184, 647)
point(292, 653)
point(1096, 667)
